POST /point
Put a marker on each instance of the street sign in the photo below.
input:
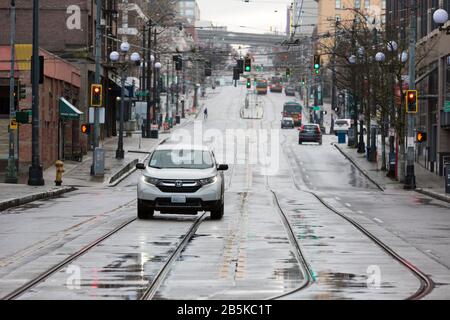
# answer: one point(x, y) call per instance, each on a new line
point(316, 108)
point(447, 106)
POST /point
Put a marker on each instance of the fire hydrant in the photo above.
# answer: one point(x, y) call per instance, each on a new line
point(59, 171)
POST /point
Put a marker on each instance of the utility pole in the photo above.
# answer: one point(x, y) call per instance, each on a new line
point(35, 175)
point(11, 171)
point(410, 179)
point(333, 85)
point(150, 96)
point(98, 47)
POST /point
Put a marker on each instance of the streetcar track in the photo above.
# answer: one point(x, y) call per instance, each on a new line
point(165, 269)
point(49, 272)
point(426, 283)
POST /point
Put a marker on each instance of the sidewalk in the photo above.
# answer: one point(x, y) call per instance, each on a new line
point(427, 182)
point(77, 174)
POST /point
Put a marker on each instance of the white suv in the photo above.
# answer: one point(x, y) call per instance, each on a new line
point(183, 180)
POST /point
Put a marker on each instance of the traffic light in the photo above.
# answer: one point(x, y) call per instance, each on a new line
point(316, 61)
point(411, 101)
point(303, 82)
point(178, 62)
point(22, 91)
point(421, 136)
point(288, 73)
point(336, 109)
point(248, 64)
point(85, 128)
point(249, 83)
point(96, 95)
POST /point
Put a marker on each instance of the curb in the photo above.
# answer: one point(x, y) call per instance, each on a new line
point(358, 167)
point(33, 197)
point(123, 172)
point(434, 195)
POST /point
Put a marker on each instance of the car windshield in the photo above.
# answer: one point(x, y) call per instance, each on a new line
point(341, 122)
point(181, 159)
point(310, 128)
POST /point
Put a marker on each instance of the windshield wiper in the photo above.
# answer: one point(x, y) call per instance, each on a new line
point(155, 167)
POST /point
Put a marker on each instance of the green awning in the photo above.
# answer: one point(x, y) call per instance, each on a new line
point(68, 110)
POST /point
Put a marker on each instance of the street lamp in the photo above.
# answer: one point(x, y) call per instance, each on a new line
point(156, 92)
point(440, 17)
point(352, 141)
point(123, 65)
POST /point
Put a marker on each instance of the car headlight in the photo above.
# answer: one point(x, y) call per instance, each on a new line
point(207, 181)
point(151, 180)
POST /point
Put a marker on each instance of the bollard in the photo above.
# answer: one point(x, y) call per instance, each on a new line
point(59, 171)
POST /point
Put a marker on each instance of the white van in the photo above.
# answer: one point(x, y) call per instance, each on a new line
point(341, 125)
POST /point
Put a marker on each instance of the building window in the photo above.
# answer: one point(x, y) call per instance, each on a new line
point(357, 4)
point(338, 4)
point(448, 79)
point(367, 4)
point(383, 4)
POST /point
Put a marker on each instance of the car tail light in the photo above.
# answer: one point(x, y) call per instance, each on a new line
point(302, 128)
point(318, 130)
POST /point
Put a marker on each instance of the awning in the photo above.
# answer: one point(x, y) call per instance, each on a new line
point(68, 110)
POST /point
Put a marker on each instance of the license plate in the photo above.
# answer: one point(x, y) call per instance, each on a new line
point(178, 199)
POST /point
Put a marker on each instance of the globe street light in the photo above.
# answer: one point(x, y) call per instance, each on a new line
point(440, 17)
point(123, 65)
point(380, 57)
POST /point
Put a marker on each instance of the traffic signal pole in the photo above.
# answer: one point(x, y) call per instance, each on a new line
point(410, 179)
point(35, 174)
point(98, 46)
point(11, 171)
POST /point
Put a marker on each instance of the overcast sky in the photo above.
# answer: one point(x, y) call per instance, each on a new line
point(257, 15)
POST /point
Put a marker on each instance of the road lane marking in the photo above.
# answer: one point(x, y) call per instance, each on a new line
point(337, 198)
point(348, 205)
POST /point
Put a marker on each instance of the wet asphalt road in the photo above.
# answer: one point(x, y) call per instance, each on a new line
point(248, 254)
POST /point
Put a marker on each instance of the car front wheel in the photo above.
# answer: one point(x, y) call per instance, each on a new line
point(144, 212)
point(217, 212)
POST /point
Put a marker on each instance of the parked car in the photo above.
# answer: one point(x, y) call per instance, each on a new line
point(181, 179)
point(289, 90)
point(287, 122)
point(309, 133)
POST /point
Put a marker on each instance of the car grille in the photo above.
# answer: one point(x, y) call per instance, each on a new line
point(179, 186)
point(167, 202)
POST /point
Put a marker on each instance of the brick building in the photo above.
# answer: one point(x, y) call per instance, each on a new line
point(432, 77)
point(59, 117)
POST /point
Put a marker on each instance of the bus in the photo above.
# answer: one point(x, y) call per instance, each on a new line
point(261, 86)
point(293, 110)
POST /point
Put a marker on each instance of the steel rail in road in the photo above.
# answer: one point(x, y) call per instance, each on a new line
point(52, 270)
point(426, 283)
point(308, 274)
point(162, 273)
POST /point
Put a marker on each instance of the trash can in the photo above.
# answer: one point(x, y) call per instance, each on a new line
point(341, 137)
point(178, 119)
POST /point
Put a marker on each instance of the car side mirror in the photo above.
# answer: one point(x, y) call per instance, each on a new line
point(222, 167)
point(140, 166)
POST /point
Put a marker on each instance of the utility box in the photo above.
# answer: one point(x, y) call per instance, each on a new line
point(99, 162)
point(351, 136)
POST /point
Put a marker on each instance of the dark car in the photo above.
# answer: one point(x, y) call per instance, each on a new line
point(287, 122)
point(309, 133)
point(289, 91)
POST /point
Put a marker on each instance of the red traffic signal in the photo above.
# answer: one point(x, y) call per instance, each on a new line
point(85, 128)
point(412, 105)
point(96, 95)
